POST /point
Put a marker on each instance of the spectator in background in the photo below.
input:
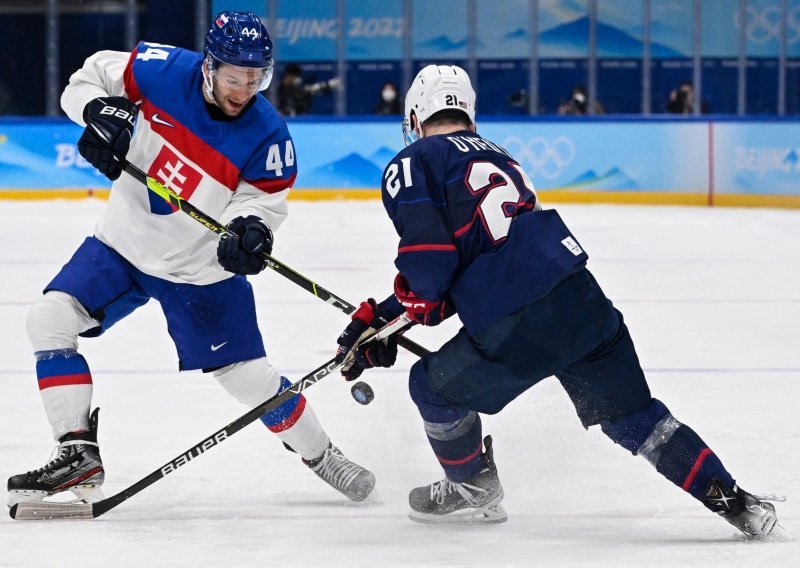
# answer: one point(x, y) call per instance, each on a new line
point(390, 100)
point(578, 103)
point(681, 100)
point(294, 95)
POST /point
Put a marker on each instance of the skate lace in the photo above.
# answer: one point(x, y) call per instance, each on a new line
point(441, 489)
point(60, 455)
point(337, 469)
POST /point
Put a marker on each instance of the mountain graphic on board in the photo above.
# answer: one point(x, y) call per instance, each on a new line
point(353, 170)
point(382, 156)
point(613, 180)
point(518, 33)
point(444, 43)
point(572, 38)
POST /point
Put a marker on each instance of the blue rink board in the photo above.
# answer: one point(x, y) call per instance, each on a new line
point(621, 155)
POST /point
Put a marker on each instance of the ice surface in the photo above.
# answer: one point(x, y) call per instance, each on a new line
point(712, 297)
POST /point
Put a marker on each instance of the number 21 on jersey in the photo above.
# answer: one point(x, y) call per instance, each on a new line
point(502, 197)
point(483, 177)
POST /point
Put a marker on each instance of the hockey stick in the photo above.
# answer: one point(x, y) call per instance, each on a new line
point(212, 225)
point(43, 510)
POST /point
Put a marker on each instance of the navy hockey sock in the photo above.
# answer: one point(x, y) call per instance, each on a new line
point(284, 417)
point(454, 433)
point(689, 463)
point(457, 446)
point(674, 449)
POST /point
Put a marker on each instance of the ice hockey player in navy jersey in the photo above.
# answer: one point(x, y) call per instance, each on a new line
point(475, 241)
point(204, 131)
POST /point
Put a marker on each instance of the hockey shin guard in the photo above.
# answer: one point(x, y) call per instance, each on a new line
point(674, 449)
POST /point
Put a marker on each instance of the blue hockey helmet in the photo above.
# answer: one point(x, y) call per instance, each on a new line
point(241, 39)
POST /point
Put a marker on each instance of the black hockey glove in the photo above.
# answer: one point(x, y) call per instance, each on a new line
point(107, 136)
point(240, 253)
point(368, 316)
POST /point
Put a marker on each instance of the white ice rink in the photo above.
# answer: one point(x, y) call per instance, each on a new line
point(712, 298)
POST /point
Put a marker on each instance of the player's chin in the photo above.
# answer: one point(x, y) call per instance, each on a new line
point(233, 109)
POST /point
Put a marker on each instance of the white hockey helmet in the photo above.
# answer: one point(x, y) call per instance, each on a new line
point(435, 88)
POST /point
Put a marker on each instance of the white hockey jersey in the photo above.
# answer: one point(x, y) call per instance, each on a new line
point(226, 169)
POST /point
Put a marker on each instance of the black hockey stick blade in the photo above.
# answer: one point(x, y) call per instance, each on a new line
point(48, 510)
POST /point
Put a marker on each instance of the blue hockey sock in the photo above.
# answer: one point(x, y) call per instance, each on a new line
point(61, 367)
point(284, 416)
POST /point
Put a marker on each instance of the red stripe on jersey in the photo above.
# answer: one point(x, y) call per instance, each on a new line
point(191, 146)
point(290, 420)
point(273, 185)
point(419, 248)
point(464, 229)
point(461, 461)
point(65, 380)
point(131, 88)
point(697, 465)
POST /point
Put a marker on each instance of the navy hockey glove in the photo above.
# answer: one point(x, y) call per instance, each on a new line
point(424, 312)
point(369, 316)
point(107, 137)
point(240, 253)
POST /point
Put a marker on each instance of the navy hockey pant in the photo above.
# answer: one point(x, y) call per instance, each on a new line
point(575, 334)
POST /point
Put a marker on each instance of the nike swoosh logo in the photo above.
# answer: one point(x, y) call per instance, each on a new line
point(215, 347)
point(161, 120)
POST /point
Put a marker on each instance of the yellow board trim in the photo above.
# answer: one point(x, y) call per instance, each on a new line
point(547, 196)
point(68, 193)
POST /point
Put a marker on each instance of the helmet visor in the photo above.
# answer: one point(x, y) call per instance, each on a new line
point(409, 134)
point(251, 79)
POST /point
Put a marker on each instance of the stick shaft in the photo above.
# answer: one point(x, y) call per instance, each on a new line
point(287, 272)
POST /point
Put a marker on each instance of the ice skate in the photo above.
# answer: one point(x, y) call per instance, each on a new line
point(474, 501)
point(347, 477)
point(76, 467)
point(752, 515)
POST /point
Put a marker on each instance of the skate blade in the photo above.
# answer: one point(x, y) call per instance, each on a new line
point(16, 496)
point(83, 494)
point(87, 493)
point(482, 516)
point(780, 534)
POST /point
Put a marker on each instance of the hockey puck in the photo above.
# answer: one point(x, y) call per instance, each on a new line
point(362, 393)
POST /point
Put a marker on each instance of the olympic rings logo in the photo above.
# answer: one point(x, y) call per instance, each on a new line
point(539, 156)
point(765, 25)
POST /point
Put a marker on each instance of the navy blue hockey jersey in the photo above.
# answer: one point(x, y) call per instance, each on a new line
point(471, 230)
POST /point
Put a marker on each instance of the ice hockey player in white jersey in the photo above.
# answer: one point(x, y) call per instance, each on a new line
point(202, 129)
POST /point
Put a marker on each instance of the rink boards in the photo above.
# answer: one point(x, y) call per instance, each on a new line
point(657, 161)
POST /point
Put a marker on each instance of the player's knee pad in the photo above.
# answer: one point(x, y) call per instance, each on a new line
point(55, 321)
point(461, 426)
point(250, 382)
point(643, 431)
point(432, 406)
